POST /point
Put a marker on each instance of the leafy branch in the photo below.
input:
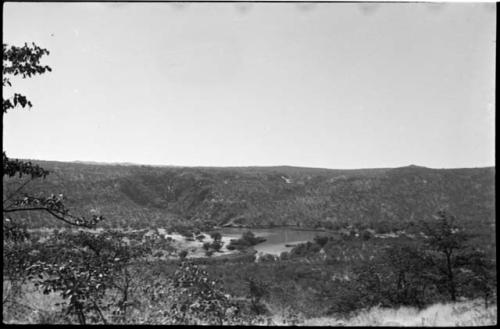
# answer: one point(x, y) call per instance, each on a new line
point(54, 206)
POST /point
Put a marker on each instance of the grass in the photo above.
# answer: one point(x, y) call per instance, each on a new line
point(467, 313)
point(34, 307)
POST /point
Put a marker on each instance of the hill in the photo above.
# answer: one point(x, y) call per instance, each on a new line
point(148, 196)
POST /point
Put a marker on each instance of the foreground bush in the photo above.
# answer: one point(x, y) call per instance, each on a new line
point(468, 313)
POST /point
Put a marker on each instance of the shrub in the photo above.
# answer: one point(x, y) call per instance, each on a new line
point(247, 240)
point(366, 235)
point(321, 240)
point(200, 300)
point(216, 236)
point(267, 258)
point(217, 245)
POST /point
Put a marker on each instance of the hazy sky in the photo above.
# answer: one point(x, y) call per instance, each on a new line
point(318, 85)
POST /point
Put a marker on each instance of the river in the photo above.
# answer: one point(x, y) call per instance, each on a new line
point(277, 238)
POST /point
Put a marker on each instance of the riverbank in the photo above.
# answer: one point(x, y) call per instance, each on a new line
point(289, 227)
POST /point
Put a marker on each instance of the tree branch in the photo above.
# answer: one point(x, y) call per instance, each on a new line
point(58, 216)
point(17, 191)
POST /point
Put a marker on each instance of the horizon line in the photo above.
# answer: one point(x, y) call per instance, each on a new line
point(128, 163)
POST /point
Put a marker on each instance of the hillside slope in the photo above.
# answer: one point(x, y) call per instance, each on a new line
point(145, 196)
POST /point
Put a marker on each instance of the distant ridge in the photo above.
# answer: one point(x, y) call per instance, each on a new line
point(416, 166)
point(112, 163)
point(241, 167)
point(148, 196)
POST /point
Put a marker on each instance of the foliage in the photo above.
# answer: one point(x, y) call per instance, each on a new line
point(481, 275)
point(440, 266)
point(53, 205)
point(257, 290)
point(12, 167)
point(383, 200)
point(381, 271)
point(200, 300)
point(304, 249)
point(84, 267)
point(393, 278)
point(216, 236)
point(446, 244)
point(321, 240)
point(114, 277)
point(25, 62)
point(247, 240)
point(468, 313)
point(74, 274)
point(215, 245)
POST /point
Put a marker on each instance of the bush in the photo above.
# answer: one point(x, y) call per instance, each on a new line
point(216, 236)
point(199, 298)
point(247, 240)
point(366, 235)
point(267, 258)
point(321, 240)
point(284, 255)
point(217, 245)
point(305, 249)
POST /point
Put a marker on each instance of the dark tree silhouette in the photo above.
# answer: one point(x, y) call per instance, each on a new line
point(256, 291)
point(25, 62)
point(80, 276)
point(445, 241)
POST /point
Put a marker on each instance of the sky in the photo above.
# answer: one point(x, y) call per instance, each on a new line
point(254, 84)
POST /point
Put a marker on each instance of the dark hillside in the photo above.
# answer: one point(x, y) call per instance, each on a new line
point(134, 195)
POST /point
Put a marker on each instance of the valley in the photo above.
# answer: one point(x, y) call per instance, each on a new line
point(264, 197)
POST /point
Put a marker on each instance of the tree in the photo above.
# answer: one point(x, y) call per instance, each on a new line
point(481, 274)
point(217, 245)
point(256, 291)
point(83, 267)
point(199, 299)
point(183, 254)
point(418, 272)
point(366, 235)
point(445, 242)
point(321, 240)
point(247, 239)
point(248, 236)
point(216, 236)
point(405, 274)
point(74, 276)
point(25, 62)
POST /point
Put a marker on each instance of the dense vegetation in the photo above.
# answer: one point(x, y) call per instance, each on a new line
point(119, 275)
point(248, 239)
point(384, 199)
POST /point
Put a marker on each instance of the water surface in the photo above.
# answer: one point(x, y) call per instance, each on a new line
point(277, 238)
